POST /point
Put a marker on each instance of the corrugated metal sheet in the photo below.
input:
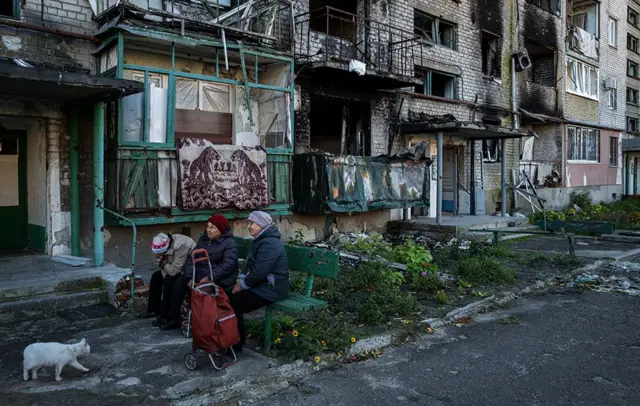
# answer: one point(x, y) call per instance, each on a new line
point(349, 184)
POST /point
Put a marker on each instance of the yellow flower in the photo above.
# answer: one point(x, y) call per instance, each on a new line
point(339, 354)
point(469, 285)
point(295, 333)
point(277, 340)
point(317, 359)
point(323, 343)
point(353, 339)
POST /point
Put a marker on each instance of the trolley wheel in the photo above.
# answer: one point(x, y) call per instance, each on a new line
point(191, 361)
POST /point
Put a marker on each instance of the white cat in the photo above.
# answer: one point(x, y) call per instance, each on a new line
point(56, 355)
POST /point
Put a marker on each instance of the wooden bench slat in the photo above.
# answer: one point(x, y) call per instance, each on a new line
point(298, 303)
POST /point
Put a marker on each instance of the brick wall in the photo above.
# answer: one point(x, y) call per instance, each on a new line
point(634, 83)
point(613, 62)
point(66, 15)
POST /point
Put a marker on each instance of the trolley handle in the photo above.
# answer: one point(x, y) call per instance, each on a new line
point(203, 258)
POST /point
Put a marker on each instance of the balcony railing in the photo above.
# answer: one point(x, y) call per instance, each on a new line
point(332, 35)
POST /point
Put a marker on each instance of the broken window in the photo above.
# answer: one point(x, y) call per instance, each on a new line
point(138, 110)
point(10, 8)
point(632, 16)
point(613, 98)
point(632, 43)
point(584, 144)
point(491, 150)
point(436, 84)
point(340, 126)
point(434, 29)
point(334, 17)
point(613, 151)
point(543, 69)
point(632, 96)
point(632, 69)
point(585, 16)
point(632, 125)
point(491, 55)
point(552, 6)
point(582, 79)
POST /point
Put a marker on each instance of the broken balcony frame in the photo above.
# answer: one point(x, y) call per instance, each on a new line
point(279, 159)
point(385, 48)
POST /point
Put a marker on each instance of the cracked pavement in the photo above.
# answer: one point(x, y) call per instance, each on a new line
point(569, 348)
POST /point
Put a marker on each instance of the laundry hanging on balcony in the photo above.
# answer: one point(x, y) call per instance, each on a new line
point(358, 67)
point(222, 176)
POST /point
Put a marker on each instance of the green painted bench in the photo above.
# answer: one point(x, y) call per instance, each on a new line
point(308, 260)
point(595, 227)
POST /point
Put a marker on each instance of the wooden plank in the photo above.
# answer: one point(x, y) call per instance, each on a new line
point(212, 126)
point(132, 182)
point(309, 260)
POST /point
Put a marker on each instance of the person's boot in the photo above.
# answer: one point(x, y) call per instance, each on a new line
point(171, 325)
point(159, 322)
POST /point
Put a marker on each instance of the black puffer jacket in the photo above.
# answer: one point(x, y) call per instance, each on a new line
point(223, 254)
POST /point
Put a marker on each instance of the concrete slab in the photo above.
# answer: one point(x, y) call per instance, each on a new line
point(455, 224)
point(29, 276)
point(585, 247)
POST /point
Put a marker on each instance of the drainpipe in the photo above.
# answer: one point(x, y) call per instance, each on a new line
point(503, 152)
point(439, 183)
point(98, 183)
point(74, 180)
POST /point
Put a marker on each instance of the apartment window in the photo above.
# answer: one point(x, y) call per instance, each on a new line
point(549, 5)
point(582, 79)
point(434, 29)
point(612, 98)
point(437, 84)
point(491, 151)
point(632, 43)
point(632, 17)
point(10, 8)
point(632, 69)
point(632, 96)
point(612, 32)
point(491, 55)
point(632, 125)
point(336, 18)
point(584, 144)
point(613, 151)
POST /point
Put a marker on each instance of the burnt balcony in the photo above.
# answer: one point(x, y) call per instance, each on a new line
point(355, 50)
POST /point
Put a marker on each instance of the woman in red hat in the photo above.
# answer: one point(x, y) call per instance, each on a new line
point(223, 254)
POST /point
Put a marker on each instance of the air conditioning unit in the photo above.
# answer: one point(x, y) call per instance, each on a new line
point(610, 83)
point(522, 60)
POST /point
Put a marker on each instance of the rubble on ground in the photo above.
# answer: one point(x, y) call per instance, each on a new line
point(619, 277)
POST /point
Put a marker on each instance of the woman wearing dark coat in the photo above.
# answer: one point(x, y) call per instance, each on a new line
point(223, 254)
point(265, 278)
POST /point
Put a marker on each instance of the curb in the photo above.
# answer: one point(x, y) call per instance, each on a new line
point(281, 377)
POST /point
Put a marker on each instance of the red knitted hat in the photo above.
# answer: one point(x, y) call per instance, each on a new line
point(220, 222)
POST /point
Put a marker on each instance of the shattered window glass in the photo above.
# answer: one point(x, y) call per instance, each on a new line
point(584, 144)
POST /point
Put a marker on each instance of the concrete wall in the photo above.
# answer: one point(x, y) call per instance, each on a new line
point(558, 198)
point(597, 174)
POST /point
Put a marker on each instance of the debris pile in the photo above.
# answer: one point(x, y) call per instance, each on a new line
point(623, 277)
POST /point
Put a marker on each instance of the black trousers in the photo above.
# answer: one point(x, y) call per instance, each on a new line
point(243, 302)
point(160, 293)
point(179, 292)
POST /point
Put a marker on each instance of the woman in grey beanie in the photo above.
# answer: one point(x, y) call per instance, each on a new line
point(265, 278)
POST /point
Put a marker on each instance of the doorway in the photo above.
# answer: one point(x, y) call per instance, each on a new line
point(13, 190)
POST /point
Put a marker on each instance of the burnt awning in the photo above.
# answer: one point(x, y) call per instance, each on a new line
point(29, 79)
point(465, 130)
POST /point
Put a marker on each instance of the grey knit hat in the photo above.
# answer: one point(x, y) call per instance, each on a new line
point(261, 218)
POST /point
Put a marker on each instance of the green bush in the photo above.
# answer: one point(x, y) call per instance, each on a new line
point(427, 283)
point(441, 298)
point(484, 270)
point(417, 258)
point(581, 198)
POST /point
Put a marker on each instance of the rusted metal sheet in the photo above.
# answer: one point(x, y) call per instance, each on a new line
point(349, 184)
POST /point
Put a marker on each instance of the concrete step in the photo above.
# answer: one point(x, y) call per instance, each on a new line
point(52, 303)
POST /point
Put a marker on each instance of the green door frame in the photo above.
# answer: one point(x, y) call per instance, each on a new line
point(21, 237)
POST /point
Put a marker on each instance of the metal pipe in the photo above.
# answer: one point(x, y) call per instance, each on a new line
point(439, 181)
point(98, 183)
point(133, 252)
point(33, 27)
point(503, 178)
point(74, 164)
point(456, 209)
point(472, 178)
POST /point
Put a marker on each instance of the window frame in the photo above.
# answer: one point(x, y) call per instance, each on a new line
point(16, 11)
point(485, 61)
point(435, 29)
point(612, 96)
point(632, 39)
point(631, 90)
point(637, 67)
point(587, 69)
point(631, 11)
point(633, 119)
point(427, 81)
point(613, 152)
point(614, 22)
point(582, 133)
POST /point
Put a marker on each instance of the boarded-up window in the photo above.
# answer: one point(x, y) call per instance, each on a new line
point(203, 110)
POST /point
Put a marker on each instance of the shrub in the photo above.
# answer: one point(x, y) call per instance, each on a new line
point(442, 298)
point(427, 283)
point(581, 198)
point(417, 258)
point(483, 269)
